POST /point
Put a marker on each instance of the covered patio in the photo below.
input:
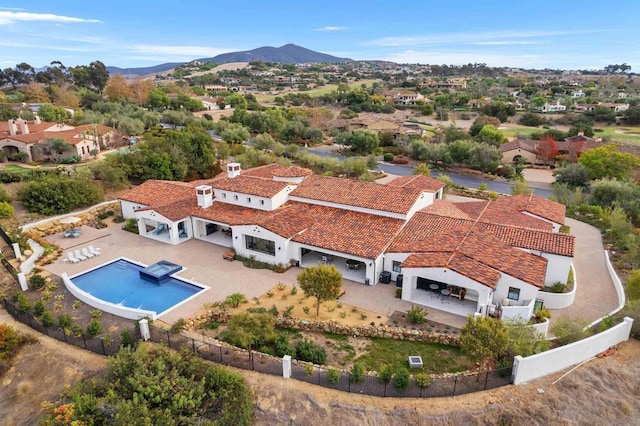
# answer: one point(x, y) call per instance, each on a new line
point(353, 270)
point(444, 302)
point(213, 232)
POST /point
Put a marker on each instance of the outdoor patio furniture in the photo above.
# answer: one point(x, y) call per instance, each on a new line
point(94, 251)
point(72, 258)
point(160, 229)
point(72, 233)
point(435, 288)
point(445, 293)
point(87, 253)
point(79, 255)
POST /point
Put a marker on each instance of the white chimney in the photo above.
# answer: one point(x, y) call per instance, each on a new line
point(24, 129)
point(233, 170)
point(36, 119)
point(12, 127)
point(204, 194)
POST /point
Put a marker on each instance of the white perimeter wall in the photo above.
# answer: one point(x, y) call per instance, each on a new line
point(549, 362)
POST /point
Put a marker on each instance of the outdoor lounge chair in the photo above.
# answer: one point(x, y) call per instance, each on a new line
point(79, 255)
point(87, 253)
point(72, 258)
point(94, 251)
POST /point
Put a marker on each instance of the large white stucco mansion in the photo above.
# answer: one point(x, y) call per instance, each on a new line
point(500, 252)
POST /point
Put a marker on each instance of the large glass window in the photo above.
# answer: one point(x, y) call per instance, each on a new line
point(261, 245)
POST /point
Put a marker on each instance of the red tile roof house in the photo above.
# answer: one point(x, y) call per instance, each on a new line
point(507, 249)
point(22, 136)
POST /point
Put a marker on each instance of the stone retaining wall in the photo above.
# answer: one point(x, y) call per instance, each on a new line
point(388, 332)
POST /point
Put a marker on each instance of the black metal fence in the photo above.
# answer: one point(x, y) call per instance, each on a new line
point(102, 346)
point(370, 385)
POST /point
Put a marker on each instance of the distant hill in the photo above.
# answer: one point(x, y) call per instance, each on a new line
point(287, 54)
point(132, 72)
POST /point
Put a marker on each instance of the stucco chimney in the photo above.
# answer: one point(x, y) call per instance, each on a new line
point(204, 195)
point(24, 129)
point(12, 127)
point(233, 170)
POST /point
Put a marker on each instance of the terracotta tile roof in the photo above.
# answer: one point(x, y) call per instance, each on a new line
point(175, 210)
point(453, 209)
point(548, 242)
point(525, 144)
point(153, 192)
point(292, 171)
point(492, 252)
point(418, 182)
point(358, 234)
point(545, 208)
point(249, 185)
point(43, 131)
point(426, 232)
point(458, 263)
point(358, 194)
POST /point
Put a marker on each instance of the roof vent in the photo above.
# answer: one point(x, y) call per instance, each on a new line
point(233, 169)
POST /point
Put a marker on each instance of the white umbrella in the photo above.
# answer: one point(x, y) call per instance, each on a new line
point(70, 219)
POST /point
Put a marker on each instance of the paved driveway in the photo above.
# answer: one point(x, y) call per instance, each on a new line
point(596, 295)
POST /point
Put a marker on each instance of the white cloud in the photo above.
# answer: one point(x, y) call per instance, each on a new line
point(504, 43)
point(330, 28)
point(496, 37)
point(12, 17)
point(177, 53)
point(46, 47)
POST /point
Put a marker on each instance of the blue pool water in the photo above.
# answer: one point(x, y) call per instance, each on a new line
point(120, 283)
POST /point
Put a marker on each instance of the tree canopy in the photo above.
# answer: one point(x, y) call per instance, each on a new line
point(608, 161)
point(324, 282)
point(483, 338)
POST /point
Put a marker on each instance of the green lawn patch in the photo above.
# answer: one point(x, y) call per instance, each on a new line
point(12, 168)
point(437, 358)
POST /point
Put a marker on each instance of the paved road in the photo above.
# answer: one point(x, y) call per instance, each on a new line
point(458, 179)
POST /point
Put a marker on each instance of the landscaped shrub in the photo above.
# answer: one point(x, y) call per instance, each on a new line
point(9, 340)
point(401, 379)
point(126, 339)
point(306, 350)
point(283, 347)
point(417, 315)
point(38, 308)
point(357, 373)
point(37, 282)
point(64, 321)
point(131, 225)
point(388, 157)
point(47, 319)
point(385, 374)
point(423, 380)
point(568, 330)
point(333, 375)
point(23, 302)
point(59, 194)
point(235, 299)
point(558, 287)
point(94, 328)
point(178, 326)
point(6, 210)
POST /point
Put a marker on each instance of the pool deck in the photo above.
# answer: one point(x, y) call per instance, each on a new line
point(204, 264)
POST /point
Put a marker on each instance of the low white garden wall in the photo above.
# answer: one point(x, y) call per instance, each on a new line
point(112, 308)
point(560, 300)
point(549, 362)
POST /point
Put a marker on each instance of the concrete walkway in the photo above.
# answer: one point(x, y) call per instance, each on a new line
point(596, 294)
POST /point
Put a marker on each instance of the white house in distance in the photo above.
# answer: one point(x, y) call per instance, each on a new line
point(496, 251)
point(23, 136)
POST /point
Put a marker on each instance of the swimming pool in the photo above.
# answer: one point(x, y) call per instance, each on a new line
point(119, 284)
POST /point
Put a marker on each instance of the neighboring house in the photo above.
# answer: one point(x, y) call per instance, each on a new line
point(617, 107)
point(508, 249)
point(23, 136)
point(578, 94)
point(553, 107)
point(519, 148)
point(407, 98)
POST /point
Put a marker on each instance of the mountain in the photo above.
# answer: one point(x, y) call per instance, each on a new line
point(287, 54)
point(132, 72)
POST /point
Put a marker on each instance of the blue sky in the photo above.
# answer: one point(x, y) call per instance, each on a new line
point(564, 34)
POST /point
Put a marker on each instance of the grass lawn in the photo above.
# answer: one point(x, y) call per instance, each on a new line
point(626, 134)
point(437, 358)
point(314, 92)
point(13, 168)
